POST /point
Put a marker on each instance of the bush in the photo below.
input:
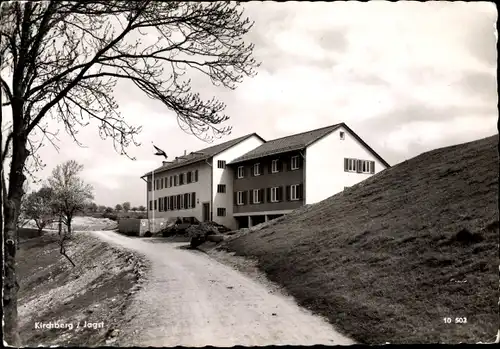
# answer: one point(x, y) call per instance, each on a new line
point(110, 215)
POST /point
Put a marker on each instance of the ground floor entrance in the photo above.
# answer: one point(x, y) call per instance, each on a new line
point(252, 220)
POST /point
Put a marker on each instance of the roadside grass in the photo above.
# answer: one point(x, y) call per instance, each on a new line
point(388, 259)
point(97, 290)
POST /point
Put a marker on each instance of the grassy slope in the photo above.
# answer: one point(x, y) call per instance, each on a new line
point(387, 259)
point(96, 290)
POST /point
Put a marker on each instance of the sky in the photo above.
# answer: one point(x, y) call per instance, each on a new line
point(407, 77)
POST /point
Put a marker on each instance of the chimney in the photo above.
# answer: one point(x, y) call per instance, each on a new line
point(185, 152)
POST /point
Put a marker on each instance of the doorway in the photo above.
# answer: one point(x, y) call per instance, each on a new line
point(206, 212)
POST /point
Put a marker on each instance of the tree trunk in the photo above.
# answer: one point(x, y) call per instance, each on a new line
point(60, 225)
point(12, 206)
point(68, 224)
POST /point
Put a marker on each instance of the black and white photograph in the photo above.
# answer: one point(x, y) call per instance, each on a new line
point(187, 173)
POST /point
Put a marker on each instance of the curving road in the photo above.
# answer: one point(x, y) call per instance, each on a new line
point(190, 299)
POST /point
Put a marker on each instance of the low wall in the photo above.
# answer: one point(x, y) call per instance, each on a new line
point(137, 227)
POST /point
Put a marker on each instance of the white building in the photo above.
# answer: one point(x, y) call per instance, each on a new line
point(247, 180)
point(193, 184)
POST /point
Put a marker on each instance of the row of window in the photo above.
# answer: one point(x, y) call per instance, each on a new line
point(359, 166)
point(175, 180)
point(174, 202)
point(276, 166)
point(275, 194)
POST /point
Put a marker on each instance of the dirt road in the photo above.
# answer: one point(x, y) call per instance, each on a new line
point(190, 299)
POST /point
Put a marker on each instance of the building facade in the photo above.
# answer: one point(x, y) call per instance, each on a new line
point(198, 184)
point(248, 181)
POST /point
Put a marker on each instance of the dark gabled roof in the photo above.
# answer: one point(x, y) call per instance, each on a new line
point(285, 144)
point(300, 141)
point(203, 154)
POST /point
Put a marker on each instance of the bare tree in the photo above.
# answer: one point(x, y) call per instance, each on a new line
point(63, 59)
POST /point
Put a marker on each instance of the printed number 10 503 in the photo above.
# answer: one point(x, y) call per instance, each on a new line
point(457, 320)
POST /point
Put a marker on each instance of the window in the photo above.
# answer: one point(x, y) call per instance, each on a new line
point(150, 204)
point(350, 165)
point(256, 169)
point(239, 198)
point(176, 180)
point(189, 177)
point(193, 200)
point(181, 199)
point(359, 166)
point(257, 196)
point(155, 205)
point(342, 135)
point(196, 176)
point(149, 185)
point(241, 171)
point(174, 201)
point(295, 162)
point(181, 179)
point(274, 166)
point(221, 188)
point(221, 211)
point(221, 164)
point(171, 181)
point(365, 166)
point(187, 200)
point(274, 194)
point(167, 203)
point(294, 192)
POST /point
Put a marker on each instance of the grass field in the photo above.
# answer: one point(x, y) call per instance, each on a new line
point(388, 259)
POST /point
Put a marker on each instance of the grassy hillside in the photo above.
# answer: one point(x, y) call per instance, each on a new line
point(97, 290)
point(389, 258)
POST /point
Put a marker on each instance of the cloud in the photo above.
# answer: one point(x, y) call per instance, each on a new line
point(406, 76)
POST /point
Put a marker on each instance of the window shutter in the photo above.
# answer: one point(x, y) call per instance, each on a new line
point(193, 200)
point(196, 176)
point(279, 194)
point(235, 198)
point(244, 197)
point(300, 191)
point(250, 199)
point(372, 166)
point(359, 165)
point(287, 189)
point(268, 195)
point(188, 177)
point(186, 201)
point(346, 164)
point(261, 195)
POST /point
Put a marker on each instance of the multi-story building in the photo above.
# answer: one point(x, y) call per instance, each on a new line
point(285, 173)
point(247, 181)
point(194, 184)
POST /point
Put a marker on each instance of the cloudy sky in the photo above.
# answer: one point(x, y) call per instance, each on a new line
point(406, 77)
